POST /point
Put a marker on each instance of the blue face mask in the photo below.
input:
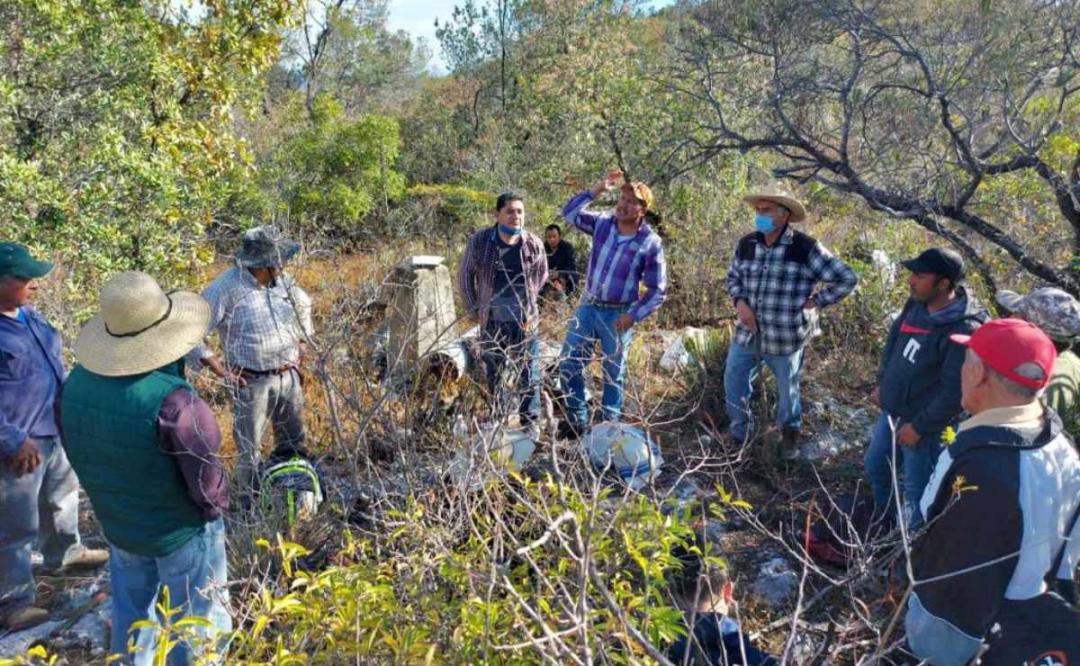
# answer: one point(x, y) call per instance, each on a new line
point(764, 223)
point(509, 231)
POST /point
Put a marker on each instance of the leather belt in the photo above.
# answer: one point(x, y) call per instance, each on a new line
point(592, 300)
point(248, 372)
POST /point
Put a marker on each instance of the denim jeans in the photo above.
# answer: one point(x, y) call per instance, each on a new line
point(741, 370)
point(196, 575)
point(917, 463)
point(507, 342)
point(41, 507)
point(589, 324)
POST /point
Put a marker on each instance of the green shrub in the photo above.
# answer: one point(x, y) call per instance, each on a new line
point(522, 561)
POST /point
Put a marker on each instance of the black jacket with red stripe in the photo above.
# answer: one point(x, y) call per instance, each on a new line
point(919, 375)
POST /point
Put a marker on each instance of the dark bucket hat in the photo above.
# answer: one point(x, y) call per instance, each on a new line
point(265, 247)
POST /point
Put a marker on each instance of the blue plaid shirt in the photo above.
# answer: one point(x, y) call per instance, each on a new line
point(617, 269)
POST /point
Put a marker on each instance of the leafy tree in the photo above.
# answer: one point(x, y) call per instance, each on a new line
point(335, 172)
point(116, 141)
point(959, 116)
point(559, 88)
point(345, 49)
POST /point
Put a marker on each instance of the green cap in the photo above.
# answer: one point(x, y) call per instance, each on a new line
point(15, 260)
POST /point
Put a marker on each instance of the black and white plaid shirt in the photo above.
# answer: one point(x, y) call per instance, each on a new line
point(776, 282)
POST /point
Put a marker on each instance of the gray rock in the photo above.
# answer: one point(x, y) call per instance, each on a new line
point(18, 642)
point(776, 583)
point(686, 490)
point(714, 531)
point(803, 648)
point(826, 444)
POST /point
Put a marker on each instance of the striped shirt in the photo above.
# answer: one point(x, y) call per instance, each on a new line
point(476, 272)
point(260, 327)
point(617, 269)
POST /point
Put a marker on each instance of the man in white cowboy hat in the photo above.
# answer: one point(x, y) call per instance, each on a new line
point(263, 318)
point(775, 280)
point(1057, 313)
point(39, 494)
point(145, 447)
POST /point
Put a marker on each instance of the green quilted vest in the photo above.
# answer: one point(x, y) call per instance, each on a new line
point(136, 488)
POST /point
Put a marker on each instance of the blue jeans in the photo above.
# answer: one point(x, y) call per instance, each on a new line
point(741, 370)
point(592, 323)
point(196, 575)
point(505, 342)
point(40, 507)
point(917, 463)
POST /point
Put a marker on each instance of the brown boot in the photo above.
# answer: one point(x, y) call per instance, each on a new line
point(86, 558)
point(24, 618)
point(81, 559)
point(789, 443)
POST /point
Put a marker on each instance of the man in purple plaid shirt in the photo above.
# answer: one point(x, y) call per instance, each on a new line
point(626, 254)
point(501, 274)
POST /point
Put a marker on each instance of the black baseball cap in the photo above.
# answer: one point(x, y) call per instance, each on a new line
point(939, 261)
point(16, 260)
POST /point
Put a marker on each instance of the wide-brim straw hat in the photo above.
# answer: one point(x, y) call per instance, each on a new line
point(140, 327)
point(779, 195)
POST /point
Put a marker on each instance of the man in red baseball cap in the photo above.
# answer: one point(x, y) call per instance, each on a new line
point(1003, 499)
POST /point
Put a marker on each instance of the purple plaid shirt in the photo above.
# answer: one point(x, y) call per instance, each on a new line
point(617, 269)
point(476, 272)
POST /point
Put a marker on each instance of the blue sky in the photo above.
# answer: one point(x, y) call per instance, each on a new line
point(417, 17)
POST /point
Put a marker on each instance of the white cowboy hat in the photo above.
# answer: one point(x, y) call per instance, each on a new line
point(140, 327)
point(777, 194)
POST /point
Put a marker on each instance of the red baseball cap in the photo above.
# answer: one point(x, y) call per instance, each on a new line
point(1007, 344)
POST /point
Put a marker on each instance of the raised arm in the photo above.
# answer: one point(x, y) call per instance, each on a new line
point(574, 211)
point(575, 214)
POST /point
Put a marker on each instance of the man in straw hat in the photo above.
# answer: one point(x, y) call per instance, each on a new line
point(1001, 512)
point(774, 281)
point(626, 255)
point(1057, 313)
point(145, 447)
point(263, 319)
point(39, 494)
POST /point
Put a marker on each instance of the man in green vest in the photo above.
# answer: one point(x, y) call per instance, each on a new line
point(145, 448)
